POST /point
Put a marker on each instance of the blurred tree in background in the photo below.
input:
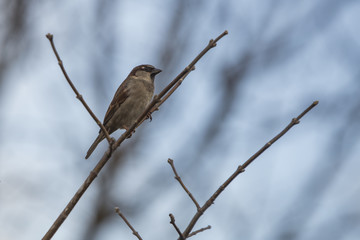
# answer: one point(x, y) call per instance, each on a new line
point(279, 56)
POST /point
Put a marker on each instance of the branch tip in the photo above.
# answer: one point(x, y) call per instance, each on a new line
point(135, 233)
point(221, 35)
point(172, 221)
point(172, 218)
point(198, 231)
point(50, 36)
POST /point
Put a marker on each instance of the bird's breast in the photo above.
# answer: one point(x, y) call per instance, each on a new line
point(140, 95)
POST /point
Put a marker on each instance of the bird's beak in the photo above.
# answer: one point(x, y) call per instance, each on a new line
point(155, 71)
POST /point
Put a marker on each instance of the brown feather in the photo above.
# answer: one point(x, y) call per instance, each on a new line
point(120, 96)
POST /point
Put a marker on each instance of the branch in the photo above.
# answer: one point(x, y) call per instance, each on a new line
point(117, 210)
point(93, 174)
point(241, 169)
point(172, 221)
point(78, 95)
point(177, 177)
point(200, 230)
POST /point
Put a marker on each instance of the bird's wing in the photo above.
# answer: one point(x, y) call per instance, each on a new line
point(120, 96)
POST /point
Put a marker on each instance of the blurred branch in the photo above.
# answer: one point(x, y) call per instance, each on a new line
point(171, 162)
point(14, 36)
point(78, 96)
point(241, 168)
point(117, 210)
point(175, 42)
point(93, 174)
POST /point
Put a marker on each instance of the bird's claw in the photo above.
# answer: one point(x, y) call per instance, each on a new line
point(130, 135)
point(148, 116)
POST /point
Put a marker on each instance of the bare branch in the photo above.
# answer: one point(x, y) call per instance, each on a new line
point(177, 177)
point(117, 210)
point(200, 230)
point(78, 95)
point(172, 221)
point(93, 174)
point(241, 169)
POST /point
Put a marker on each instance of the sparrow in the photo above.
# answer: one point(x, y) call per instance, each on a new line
point(129, 101)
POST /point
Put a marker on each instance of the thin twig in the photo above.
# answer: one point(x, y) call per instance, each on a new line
point(241, 169)
point(177, 177)
point(172, 221)
point(200, 230)
point(117, 210)
point(78, 95)
point(93, 174)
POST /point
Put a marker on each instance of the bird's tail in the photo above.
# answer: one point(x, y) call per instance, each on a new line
point(94, 145)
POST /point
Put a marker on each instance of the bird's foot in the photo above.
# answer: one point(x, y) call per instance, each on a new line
point(148, 116)
point(130, 135)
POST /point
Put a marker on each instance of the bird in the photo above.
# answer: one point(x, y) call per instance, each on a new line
point(130, 100)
